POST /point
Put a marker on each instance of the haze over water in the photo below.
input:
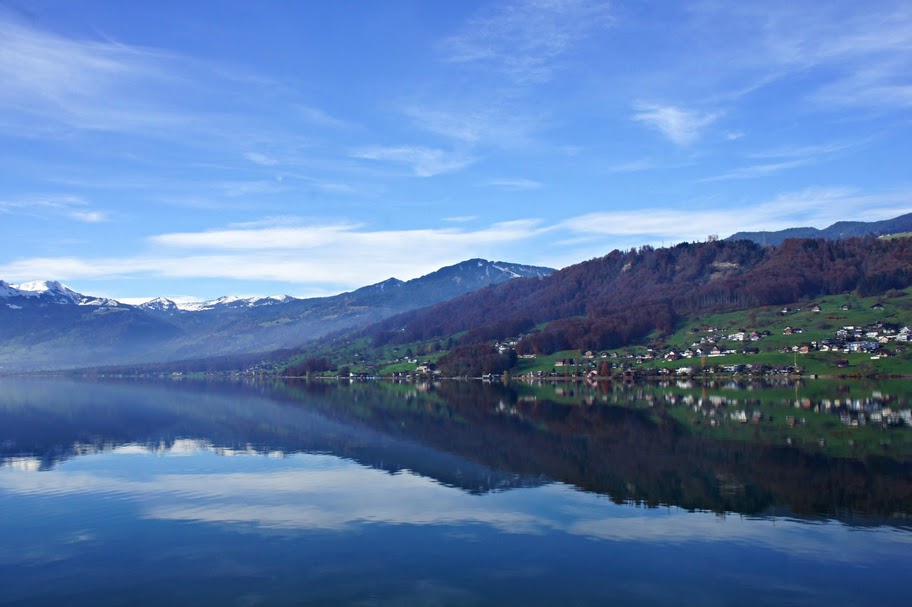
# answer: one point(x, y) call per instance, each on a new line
point(456, 494)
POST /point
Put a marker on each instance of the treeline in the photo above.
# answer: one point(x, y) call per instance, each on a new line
point(476, 360)
point(624, 296)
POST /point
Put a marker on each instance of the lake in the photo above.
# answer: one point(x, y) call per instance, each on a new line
point(456, 493)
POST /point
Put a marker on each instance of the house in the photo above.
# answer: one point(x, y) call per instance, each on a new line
point(862, 346)
point(815, 308)
point(877, 306)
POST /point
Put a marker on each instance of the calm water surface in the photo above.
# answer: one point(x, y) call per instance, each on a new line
point(187, 493)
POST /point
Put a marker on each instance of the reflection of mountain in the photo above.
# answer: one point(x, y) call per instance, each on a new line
point(475, 436)
point(52, 421)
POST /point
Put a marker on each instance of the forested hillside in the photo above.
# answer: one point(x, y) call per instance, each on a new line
point(624, 296)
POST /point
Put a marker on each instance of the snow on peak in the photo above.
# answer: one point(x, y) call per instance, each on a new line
point(159, 304)
point(50, 291)
point(43, 286)
point(233, 301)
point(46, 289)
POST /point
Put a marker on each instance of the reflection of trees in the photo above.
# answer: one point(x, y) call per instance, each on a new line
point(473, 435)
point(629, 455)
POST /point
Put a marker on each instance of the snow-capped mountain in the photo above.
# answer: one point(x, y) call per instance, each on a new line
point(47, 325)
point(45, 292)
point(231, 302)
point(160, 304)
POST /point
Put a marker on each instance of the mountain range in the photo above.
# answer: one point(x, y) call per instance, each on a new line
point(49, 326)
point(841, 229)
point(604, 302)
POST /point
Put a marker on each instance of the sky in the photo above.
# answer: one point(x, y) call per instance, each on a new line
point(198, 149)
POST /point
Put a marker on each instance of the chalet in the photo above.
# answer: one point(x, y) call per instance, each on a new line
point(845, 307)
point(877, 306)
point(815, 308)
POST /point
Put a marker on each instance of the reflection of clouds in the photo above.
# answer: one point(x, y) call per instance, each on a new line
point(830, 540)
point(322, 492)
point(22, 464)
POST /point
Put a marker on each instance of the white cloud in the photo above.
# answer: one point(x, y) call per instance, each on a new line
point(816, 207)
point(423, 161)
point(683, 127)
point(319, 117)
point(346, 255)
point(760, 170)
point(859, 54)
point(261, 159)
point(788, 157)
point(55, 205)
point(633, 166)
point(523, 39)
point(513, 184)
point(83, 84)
point(89, 216)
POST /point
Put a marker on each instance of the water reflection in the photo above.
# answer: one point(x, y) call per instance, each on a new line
point(450, 494)
point(646, 444)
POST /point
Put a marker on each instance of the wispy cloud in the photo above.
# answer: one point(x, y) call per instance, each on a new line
point(760, 170)
point(46, 207)
point(260, 159)
point(342, 254)
point(860, 55)
point(89, 216)
point(633, 166)
point(683, 127)
point(783, 159)
point(318, 117)
point(84, 84)
point(422, 161)
point(816, 207)
point(522, 39)
point(512, 184)
point(495, 122)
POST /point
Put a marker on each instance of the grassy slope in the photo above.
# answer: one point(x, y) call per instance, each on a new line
point(361, 357)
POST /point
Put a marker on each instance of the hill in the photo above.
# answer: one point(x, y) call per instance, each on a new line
point(48, 326)
point(839, 230)
point(627, 298)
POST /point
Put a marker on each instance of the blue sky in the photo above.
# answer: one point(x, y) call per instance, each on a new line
point(199, 149)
